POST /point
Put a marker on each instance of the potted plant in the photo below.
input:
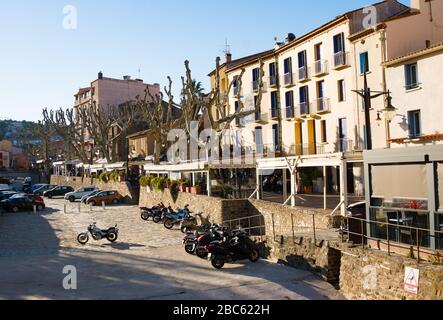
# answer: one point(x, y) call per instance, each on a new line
point(196, 189)
point(306, 179)
point(183, 185)
point(168, 183)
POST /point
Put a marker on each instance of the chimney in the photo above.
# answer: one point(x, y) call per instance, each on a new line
point(100, 75)
point(416, 4)
point(126, 77)
point(228, 57)
point(428, 44)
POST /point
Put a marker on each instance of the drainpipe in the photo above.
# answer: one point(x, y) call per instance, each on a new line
point(358, 101)
point(385, 89)
point(279, 112)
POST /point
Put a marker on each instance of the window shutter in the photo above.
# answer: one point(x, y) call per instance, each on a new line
point(411, 124)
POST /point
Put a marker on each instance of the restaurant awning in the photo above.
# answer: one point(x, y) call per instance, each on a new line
point(115, 166)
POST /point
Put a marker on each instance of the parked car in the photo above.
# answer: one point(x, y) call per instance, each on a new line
point(58, 191)
point(16, 204)
point(39, 191)
point(105, 196)
point(78, 194)
point(5, 187)
point(86, 196)
point(7, 194)
point(38, 186)
point(30, 196)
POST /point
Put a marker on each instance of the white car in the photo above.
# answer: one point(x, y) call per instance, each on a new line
point(78, 194)
point(5, 187)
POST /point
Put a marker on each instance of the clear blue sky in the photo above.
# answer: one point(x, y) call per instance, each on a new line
point(42, 64)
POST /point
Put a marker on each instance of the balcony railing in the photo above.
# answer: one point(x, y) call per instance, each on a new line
point(289, 112)
point(341, 59)
point(321, 67)
point(322, 105)
point(266, 149)
point(288, 79)
point(236, 91)
point(272, 81)
point(255, 85)
point(240, 122)
point(304, 108)
point(303, 74)
point(274, 113)
point(305, 149)
point(345, 145)
point(261, 117)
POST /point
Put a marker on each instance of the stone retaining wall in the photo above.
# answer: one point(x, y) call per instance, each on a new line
point(124, 188)
point(373, 275)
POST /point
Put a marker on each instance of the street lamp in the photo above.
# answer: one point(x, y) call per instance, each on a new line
point(368, 95)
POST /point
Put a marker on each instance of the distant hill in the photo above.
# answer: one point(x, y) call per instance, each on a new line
point(9, 129)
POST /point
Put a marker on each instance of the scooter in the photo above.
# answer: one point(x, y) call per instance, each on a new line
point(172, 218)
point(97, 234)
point(237, 248)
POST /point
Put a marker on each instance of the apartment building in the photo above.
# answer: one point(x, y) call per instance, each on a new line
point(104, 92)
point(308, 108)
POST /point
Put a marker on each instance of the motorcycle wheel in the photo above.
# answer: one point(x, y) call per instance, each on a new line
point(168, 224)
point(189, 248)
point(184, 229)
point(145, 216)
point(201, 252)
point(217, 263)
point(112, 237)
point(83, 238)
point(157, 219)
point(254, 255)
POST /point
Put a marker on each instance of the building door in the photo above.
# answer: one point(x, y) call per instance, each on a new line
point(311, 137)
point(275, 137)
point(342, 135)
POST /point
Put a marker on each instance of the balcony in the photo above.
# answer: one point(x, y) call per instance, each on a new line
point(303, 74)
point(322, 105)
point(304, 109)
point(240, 122)
point(266, 150)
point(288, 79)
point(345, 145)
point(289, 113)
point(321, 68)
point(273, 81)
point(236, 91)
point(261, 117)
point(305, 149)
point(273, 113)
point(341, 60)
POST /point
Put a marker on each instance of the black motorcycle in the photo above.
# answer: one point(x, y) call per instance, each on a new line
point(97, 234)
point(239, 247)
point(216, 232)
point(156, 213)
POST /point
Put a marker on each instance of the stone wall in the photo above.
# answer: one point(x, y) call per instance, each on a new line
point(301, 252)
point(124, 188)
point(373, 275)
point(286, 219)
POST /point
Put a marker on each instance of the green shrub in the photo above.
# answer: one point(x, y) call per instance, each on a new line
point(104, 177)
point(145, 181)
point(173, 189)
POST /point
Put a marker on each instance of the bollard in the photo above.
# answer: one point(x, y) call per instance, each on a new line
point(64, 208)
point(90, 207)
point(103, 205)
point(79, 208)
point(34, 207)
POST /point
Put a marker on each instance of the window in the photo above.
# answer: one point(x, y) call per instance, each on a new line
point(259, 137)
point(255, 78)
point(411, 76)
point(288, 66)
point(339, 43)
point(320, 89)
point(275, 136)
point(302, 59)
point(414, 123)
point(364, 62)
point(289, 99)
point(274, 103)
point(317, 51)
point(341, 90)
point(323, 131)
point(304, 100)
point(272, 74)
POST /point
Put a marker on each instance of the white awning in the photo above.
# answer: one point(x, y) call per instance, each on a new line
point(115, 166)
point(58, 163)
point(96, 167)
point(73, 162)
point(40, 161)
point(80, 165)
point(186, 166)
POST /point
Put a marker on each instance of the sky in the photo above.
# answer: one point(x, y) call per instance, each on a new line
point(43, 63)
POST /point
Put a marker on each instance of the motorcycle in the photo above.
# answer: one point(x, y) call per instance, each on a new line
point(239, 247)
point(191, 224)
point(155, 212)
point(216, 232)
point(97, 234)
point(172, 218)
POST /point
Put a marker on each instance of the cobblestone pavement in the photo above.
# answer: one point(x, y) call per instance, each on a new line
point(147, 262)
